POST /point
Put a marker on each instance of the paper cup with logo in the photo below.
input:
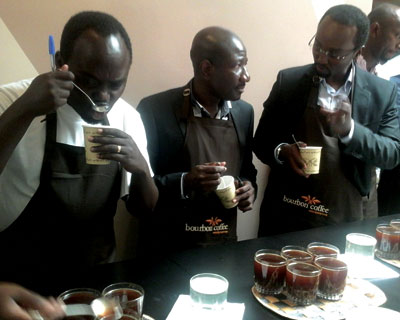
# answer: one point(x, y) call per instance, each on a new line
point(91, 157)
point(226, 191)
point(312, 156)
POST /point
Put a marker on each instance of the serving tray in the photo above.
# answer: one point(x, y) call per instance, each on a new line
point(358, 293)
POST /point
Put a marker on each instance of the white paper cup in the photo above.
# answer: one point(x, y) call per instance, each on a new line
point(91, 157)
point(226, 191)
point(209, 291)
point(312, 156)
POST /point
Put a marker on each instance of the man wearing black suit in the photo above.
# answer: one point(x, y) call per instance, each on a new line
point(332, 104)
point(196, 134)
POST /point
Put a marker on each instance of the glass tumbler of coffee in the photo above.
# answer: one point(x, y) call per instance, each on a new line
point(322, 249)
point(80, 296)
point(297, 253)
point(388, 241)
point(395, 223)
point(129, 295)
point(302, 281)
point(332, 280)
point(269, 271)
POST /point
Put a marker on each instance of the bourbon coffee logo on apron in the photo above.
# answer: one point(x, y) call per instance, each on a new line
point(215, 226)
point(311, 204)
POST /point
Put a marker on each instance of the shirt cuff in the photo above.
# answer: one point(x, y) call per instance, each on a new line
point(183, 195)
point(346, 139)
point(276, 152)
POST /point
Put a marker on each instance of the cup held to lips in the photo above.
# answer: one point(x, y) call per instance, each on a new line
point(312, 156)
point(91, 157)
point(226, 191)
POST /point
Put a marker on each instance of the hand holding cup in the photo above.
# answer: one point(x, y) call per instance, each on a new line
point(204, 177)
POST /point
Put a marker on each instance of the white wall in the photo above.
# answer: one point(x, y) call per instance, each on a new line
point(14, 64)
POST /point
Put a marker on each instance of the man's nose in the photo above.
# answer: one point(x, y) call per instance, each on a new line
point(245, 74)
point(102, 94)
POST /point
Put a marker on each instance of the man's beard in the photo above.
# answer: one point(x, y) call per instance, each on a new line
point(325, 73)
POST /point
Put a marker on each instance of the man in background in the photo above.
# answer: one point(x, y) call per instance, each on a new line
point(381, 53)
point(196, 134)
point(384, 37)
point(357, 132)
point(383, 44)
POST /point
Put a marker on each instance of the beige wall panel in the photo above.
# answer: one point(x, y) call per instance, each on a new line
point(14, 64)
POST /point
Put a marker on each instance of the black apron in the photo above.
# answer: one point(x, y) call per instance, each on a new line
point(205, 220)
point(68, 223)
point(293, 202)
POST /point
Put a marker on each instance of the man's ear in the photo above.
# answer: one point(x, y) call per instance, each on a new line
point(358, 52)
point(374, 29)
point(59, 60)
point(206, 68)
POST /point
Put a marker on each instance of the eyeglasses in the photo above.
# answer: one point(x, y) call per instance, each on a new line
point(317, 49)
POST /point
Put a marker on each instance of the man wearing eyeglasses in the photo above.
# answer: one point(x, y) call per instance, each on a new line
point(333, 104)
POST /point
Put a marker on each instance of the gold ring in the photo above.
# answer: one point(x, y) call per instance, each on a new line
point(118, 149)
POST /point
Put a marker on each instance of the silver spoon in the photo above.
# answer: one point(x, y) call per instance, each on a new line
point(295, 141)
point(100, 307)
point(95, 107)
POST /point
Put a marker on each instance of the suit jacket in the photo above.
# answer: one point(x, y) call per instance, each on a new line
point(376, 138)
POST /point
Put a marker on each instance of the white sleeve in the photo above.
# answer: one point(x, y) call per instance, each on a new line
point(133, 125)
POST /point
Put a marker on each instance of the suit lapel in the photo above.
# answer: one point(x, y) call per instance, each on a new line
point(362, 96)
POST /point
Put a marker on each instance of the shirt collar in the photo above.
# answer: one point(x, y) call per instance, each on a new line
point(200, 111)
point(345, 88)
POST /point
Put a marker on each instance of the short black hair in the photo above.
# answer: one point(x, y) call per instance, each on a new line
point(102, 23)
point(349, 15)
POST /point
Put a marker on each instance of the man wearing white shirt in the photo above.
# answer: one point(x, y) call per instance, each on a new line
point(356, 134)
point(56, 210)
point(384, 38)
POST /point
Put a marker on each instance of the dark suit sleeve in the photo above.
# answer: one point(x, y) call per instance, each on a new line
point(169, 184)
point(283, 108)
point(379, 147)
point(248, 170)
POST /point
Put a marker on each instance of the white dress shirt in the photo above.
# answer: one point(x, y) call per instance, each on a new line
point(21, 175)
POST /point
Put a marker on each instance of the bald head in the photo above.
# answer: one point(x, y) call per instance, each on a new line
point(384, 42)
point(385, 14)
point(376, 3)
point(214, 44)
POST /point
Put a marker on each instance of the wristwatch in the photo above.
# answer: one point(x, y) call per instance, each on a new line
point(278, 151)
